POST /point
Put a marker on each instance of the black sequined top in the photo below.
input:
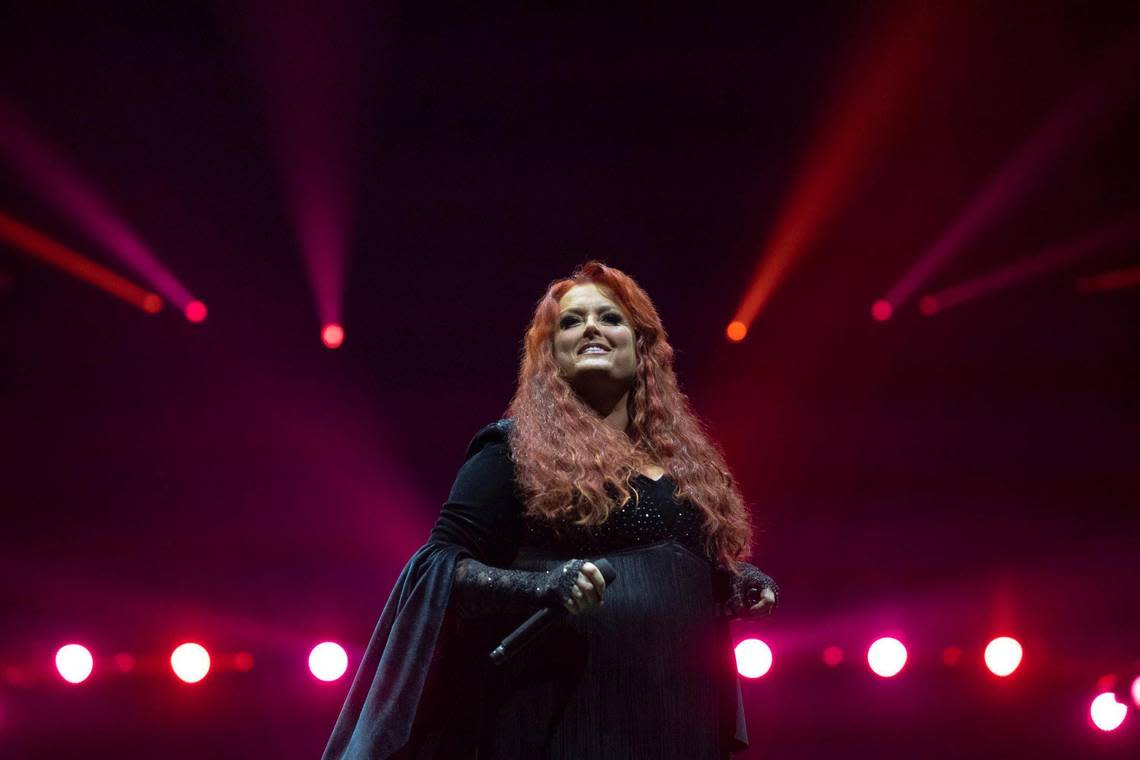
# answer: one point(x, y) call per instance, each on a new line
point(654, 515)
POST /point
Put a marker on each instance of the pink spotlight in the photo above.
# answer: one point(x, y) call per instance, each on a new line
point(190, 662)
point(1107, 714)
point(1003, 656)
point(886, 656)
point(74, 663)
point(832, 656)
point(328, 661)
point(1136, 691)
point(332, 335)
point(195, 311)
point(753, 658)
point(881, 310)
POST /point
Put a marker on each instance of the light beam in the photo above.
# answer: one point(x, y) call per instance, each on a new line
point(63, 186)
point(40, 246)
point(849, 135)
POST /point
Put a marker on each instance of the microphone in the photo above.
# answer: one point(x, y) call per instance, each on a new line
point(533, 626)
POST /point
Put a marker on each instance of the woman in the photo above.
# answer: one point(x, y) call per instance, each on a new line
point(599, 458)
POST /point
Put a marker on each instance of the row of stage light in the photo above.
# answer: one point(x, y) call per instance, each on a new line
point(886, 658)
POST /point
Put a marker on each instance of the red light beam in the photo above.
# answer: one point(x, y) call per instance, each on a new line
point(61, 184)
point(1052, 259)
point(1114, 280)
point(38, 245)
point(846, 140)
point(1087, 108)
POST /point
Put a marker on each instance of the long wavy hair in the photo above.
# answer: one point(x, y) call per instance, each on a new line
point(570, 465)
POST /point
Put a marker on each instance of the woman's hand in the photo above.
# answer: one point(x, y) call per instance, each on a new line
point(587, 591)
point(766, 604)
point(751, 593)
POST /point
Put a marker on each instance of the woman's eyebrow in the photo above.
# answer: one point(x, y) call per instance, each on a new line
point(581, 310)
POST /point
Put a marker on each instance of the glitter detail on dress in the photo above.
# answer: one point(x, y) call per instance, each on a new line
point(654, 516)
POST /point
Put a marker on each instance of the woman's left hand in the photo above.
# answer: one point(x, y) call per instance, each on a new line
point(766, 604)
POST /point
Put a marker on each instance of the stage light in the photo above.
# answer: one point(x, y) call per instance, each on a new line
point(886, 656)
point(328, 661)
point(1107, 714)
point(74, 663)
point(736, 331)
point(152, 303)
point(190, 662)
point(195, 311)
point(1136, 691)
point(34, 243)
point(881, 310)
point(753, 658)
point(832, 656)
point(928, 305)
point(1003, 656)
point(332, 335)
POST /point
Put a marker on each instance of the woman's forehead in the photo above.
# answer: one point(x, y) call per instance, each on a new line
point(587, 295)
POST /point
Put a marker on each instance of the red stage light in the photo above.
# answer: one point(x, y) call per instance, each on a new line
point(736, 331)
point(152, 303)
point(881, 310)
point(1136, 691)
point(30, 241)
point(332, 335)
point(832, 656)
point(190, 662)
point(886, 656)
point(753, 658)
point(195, 311)
point(74, 663)
point(243, 662)
point(928, 305)
point(328, 661)
point(1107, 714)
point(1003, 656)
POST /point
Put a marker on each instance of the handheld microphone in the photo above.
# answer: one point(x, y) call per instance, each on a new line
point(533, 626)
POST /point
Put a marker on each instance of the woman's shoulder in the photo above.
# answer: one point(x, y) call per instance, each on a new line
point(495, 434)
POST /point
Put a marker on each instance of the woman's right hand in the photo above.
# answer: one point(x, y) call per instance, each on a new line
point(586, 594)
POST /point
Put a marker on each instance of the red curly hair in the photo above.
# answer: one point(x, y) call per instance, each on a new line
point(570, 465)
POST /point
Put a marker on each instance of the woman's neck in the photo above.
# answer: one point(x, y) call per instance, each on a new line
point(614, 412)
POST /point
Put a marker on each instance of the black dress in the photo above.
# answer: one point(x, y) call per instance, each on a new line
point(650, 674)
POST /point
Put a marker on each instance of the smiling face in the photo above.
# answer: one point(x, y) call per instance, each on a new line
point(594, 343)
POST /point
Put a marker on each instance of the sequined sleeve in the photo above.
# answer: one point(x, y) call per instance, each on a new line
point(482, 590)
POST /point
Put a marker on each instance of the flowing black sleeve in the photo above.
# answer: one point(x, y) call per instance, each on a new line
point(480, 520)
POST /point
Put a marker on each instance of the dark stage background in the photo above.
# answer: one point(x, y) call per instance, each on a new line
point(234, 482)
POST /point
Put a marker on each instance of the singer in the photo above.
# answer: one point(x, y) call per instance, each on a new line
point(599, 457)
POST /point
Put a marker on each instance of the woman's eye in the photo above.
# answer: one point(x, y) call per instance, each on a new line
point(613, 318)
point(567, 322)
